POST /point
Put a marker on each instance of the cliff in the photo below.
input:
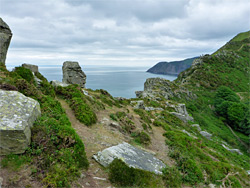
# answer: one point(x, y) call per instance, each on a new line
point(171, 68)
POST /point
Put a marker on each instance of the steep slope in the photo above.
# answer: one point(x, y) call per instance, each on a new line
point(174, 67)
point(229, 66)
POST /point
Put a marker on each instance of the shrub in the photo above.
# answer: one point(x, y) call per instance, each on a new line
point(122, 175)
point(141, 138)
point(172, 177)
point(25, 74)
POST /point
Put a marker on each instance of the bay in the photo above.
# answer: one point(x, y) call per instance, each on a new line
point(118, 81)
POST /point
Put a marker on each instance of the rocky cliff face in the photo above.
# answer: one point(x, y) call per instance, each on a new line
point(173, 68)
point(5, 37)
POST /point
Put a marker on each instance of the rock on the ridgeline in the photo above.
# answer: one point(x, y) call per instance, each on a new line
point(17, 115)
point(132, 156)
point(206, 134)
point(73, 74)
point(182, 117)
point(33, 68)
point(56, 83)
point(5, 38)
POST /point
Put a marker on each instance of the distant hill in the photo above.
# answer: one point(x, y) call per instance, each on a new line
point(174, 67)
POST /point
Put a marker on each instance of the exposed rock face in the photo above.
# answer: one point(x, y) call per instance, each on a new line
point(73, 74)
point(181, 112)
point(33, 68)
point(17, 115)
point(160, 87)
point(132, 156)
point(5, 38)
point(197, 126)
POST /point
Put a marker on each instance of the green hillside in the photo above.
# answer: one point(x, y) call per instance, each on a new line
point(197, 125)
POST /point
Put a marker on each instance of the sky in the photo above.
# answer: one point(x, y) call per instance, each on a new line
point(119, 32)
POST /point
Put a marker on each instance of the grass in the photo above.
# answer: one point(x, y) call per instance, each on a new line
point(78, 103)
point(56, 154)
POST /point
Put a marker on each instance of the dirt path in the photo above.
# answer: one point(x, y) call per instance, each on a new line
point(95, 138)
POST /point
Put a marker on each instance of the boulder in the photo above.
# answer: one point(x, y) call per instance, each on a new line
point(33, 68)
point(17, 115)
point(232, 150)
point(182, 117)
point(73, 74)
point(206, 134)
point(132, 156)
point(5, 38)
point(56, 83)
point(197, 126)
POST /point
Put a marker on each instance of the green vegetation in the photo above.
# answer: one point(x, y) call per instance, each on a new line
point(78, 102)
point(124, 120)
point(122, 175)
point(57, 153)
point(141, 138)
point(227, 105)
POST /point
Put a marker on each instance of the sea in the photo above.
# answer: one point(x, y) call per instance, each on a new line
point(118, 81)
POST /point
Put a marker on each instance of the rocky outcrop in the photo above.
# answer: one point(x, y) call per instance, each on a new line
point(33, 68)
point(5, 38)
point(56, 83)
point(171, 68)
point(132, 156)
point(180, 112)
point(197, 126)
point(232, 150)
point(206, 134)
point(160, 87)
point(17, 115)
point(140, 105)
point(73, 74)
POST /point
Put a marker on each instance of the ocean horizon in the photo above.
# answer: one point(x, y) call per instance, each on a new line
point(119, 81)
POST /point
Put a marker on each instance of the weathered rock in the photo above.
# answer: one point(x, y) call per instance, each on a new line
point(184, 118)
point(248, 172)
point(232, 150)
point(17, 115)
point(197, 126)
point(132, 156)
point(56, 83)
point(206, 134)
point(138, 104)
point(33, 68)
point(150, 108)
point(5, 38)
point(159, 87)
point(73, 74)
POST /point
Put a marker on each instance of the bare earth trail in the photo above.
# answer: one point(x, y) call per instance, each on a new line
point(100, 136)
point(95, 139)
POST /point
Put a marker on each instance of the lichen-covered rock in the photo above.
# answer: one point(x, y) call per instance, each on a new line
point(183, 117)
point(17, 115)
point(160, 87)
point(5, 38)
point(232, 150)
point(132, 156)
point(73, 74)
point(33, 68)
point(197, 126)
point(206, 134)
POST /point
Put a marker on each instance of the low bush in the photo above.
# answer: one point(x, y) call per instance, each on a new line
point(122, 175)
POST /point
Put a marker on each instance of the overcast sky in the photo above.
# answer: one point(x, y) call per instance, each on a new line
point(119, 32)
